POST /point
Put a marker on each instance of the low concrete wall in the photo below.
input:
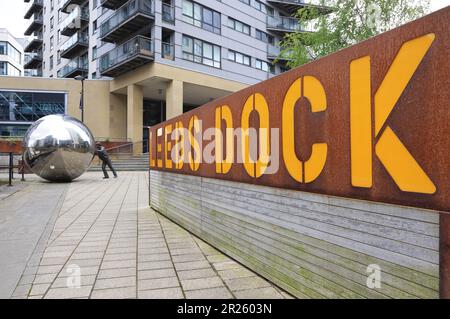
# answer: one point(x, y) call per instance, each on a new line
point(313, 246)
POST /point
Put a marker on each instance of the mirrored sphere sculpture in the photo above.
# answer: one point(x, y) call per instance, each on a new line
point(58, 148)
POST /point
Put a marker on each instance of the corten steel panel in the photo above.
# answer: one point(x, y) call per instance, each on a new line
point(420, 118)
point(444, 250)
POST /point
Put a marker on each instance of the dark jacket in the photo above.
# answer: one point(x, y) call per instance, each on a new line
point(102, 154)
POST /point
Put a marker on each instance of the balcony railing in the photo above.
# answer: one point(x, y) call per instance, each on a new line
point(33, 72)
point(274, 52)
point(74, 45)
point(291, 6)
point(68, 5)
point(168, 12)
point(36, 24)
point(112, 4)
point(127, 56)
point(288, 24)
point(32, 60)
point(129, 18)
point(75, 21)
point(35, 6)
point(302, 2)
point(168, 51)
point(75, 67)
point(34, 43)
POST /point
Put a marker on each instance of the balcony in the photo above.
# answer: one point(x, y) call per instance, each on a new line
point(75, 67)
point(168, 13)
point(128, 19)
point(68, 5)
point(168, 51)
point(126, 57)
point(32, 61)
point(287, 24)
point(33, 72)
point(76, 44)
point(36, 25)
point(273, 52)
point(112, 4)
point(35, 43)
point(292, 6)
point(36, 6)
point(76, 20)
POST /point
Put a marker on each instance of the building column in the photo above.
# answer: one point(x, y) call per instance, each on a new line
point(174, 99)
point(135, 109)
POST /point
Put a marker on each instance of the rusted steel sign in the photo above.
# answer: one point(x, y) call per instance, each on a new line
point(369, 122)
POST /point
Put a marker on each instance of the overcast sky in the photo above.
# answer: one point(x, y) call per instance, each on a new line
point(12, 12)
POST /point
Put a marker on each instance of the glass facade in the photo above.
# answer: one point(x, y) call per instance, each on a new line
point(18, 110)
point(7, 49)
point(9, 69)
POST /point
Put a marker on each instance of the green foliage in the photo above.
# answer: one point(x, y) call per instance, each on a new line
point(350, 22)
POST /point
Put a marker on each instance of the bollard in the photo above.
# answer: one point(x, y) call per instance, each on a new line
point(23, 169)
point(10, 169)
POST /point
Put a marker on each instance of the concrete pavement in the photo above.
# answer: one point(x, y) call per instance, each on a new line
point(100, 239)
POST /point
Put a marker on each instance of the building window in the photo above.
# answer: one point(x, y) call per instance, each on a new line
point(201, 52)
point(9, 69)
point(52, 5)
point(94, 75)
point(245, 1)
point(51, 23)
point(51, 62)
point(51, 43)
point(18, 110)
point(94, 53)
point(7, 49)
point(239, 57)
point(58, 57)
point(94, 27)
point(201, 16)
point(263, 8)
point(238, 26)
point(264, 66)
point(267, 38)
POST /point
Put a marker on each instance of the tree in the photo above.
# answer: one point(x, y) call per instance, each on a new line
point(347, 23)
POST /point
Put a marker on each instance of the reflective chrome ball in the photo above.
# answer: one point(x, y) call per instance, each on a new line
point(58, 148)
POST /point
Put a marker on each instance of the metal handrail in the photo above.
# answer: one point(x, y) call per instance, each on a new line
point(125, 145)
point(11, 166)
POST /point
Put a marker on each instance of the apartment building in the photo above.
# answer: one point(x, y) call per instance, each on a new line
point(163, 57)
point(11, 54)
point(239, 38)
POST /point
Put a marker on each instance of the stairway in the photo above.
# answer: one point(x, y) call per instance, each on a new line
point(124, 162)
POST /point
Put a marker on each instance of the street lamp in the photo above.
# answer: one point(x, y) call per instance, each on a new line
point(81, 78)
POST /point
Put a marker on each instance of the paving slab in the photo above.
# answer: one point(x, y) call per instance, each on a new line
point(99, 239)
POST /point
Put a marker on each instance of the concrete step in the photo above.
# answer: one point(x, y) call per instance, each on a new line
point(132, 169)
point(125, 162)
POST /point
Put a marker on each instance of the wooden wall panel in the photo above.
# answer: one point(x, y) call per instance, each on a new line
point(313, 246)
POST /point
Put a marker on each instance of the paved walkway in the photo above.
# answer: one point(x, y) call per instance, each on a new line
point(103, 241)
